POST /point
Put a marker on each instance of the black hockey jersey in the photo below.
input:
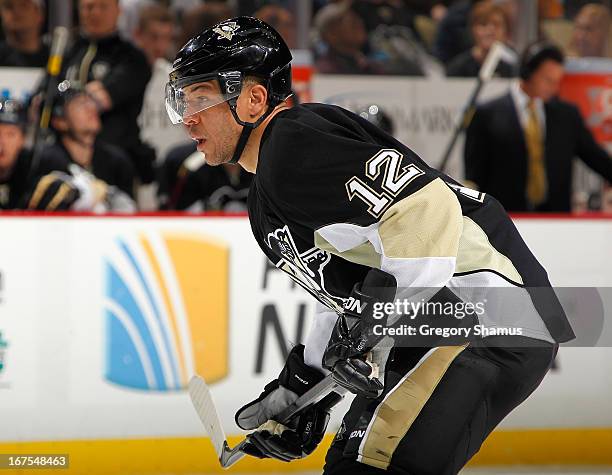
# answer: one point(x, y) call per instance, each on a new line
point(334, 196)
point(14, 188)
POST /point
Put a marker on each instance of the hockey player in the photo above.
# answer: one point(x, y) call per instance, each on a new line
point(41, 188)
point(336, 202)
point(21, 187)
point(76, 122)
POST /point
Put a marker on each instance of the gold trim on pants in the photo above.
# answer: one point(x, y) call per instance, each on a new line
point(394, 416)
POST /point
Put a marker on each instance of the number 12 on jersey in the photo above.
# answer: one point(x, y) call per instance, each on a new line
point(395, 179)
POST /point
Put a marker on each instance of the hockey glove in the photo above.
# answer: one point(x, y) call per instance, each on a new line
point(297, 440)
point(352, 338)
point(305, 431)
point(53, 192)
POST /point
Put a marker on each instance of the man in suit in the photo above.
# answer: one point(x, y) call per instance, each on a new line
point(520, 146)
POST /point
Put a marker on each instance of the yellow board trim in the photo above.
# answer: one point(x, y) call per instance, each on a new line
point(580, 446)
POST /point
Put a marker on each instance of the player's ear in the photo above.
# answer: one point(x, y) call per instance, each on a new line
point(258, 99)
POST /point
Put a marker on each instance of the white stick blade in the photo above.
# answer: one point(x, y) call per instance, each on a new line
point(204, 405)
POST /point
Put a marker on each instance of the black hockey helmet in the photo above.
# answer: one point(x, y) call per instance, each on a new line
point(66, 92)
point(228, 52)
point(12, 112)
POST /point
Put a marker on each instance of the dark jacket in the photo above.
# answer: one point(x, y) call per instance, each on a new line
point(496, 154)
point(11, 57)
point(14, 189)
point(109, 164)
point(466, 66)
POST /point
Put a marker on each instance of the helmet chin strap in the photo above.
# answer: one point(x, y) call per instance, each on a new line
point(247, 128)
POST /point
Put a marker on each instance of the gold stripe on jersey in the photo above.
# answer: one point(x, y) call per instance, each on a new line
point(63, 191)
point(427, 223)
point(40, 190)
point(364, 254)
point(476, 252)
point(396, 413)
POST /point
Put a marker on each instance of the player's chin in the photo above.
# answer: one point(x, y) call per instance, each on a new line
point(213, 160)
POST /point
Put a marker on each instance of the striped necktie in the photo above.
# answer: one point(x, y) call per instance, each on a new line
point(536, 172)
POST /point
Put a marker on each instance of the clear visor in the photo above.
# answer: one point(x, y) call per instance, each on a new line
point(183, 102)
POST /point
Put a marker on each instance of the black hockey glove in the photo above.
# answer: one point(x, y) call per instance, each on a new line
point(53, 192)
point(297, 440)
point(302, 435)
point(352, 338)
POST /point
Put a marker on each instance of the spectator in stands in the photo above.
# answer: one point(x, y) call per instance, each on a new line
point(384, 12)
point(76, 121)
point(344, 38)
point(591, 35)
point(115, 74)
point(22, 22)
point(281, 20)
point(488, 24)
point(571, 8)
point(155, 34)
point(520, 146)
point(453, 36)
point(393, 38)
point(189, 184)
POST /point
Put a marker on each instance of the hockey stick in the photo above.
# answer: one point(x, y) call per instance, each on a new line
point(204, 405)
point(54, 68)
point(497, 52)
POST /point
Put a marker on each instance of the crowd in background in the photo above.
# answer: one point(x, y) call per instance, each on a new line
point(119, 44)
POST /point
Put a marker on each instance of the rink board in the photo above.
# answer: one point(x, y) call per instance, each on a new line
point(198, 295)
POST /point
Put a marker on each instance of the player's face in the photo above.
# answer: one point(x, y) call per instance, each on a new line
point(99, 17)
point(545, 81)
point(214, 129)
point(83, 118)
point(11, 142)
point(21, 15)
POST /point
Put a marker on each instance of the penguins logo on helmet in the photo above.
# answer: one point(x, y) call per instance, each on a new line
point(227, 30)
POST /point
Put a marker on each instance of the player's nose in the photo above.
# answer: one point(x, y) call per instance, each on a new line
point(192, 119)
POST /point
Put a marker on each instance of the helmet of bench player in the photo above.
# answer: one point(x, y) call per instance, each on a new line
point(227, 53)
point(12, 112)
